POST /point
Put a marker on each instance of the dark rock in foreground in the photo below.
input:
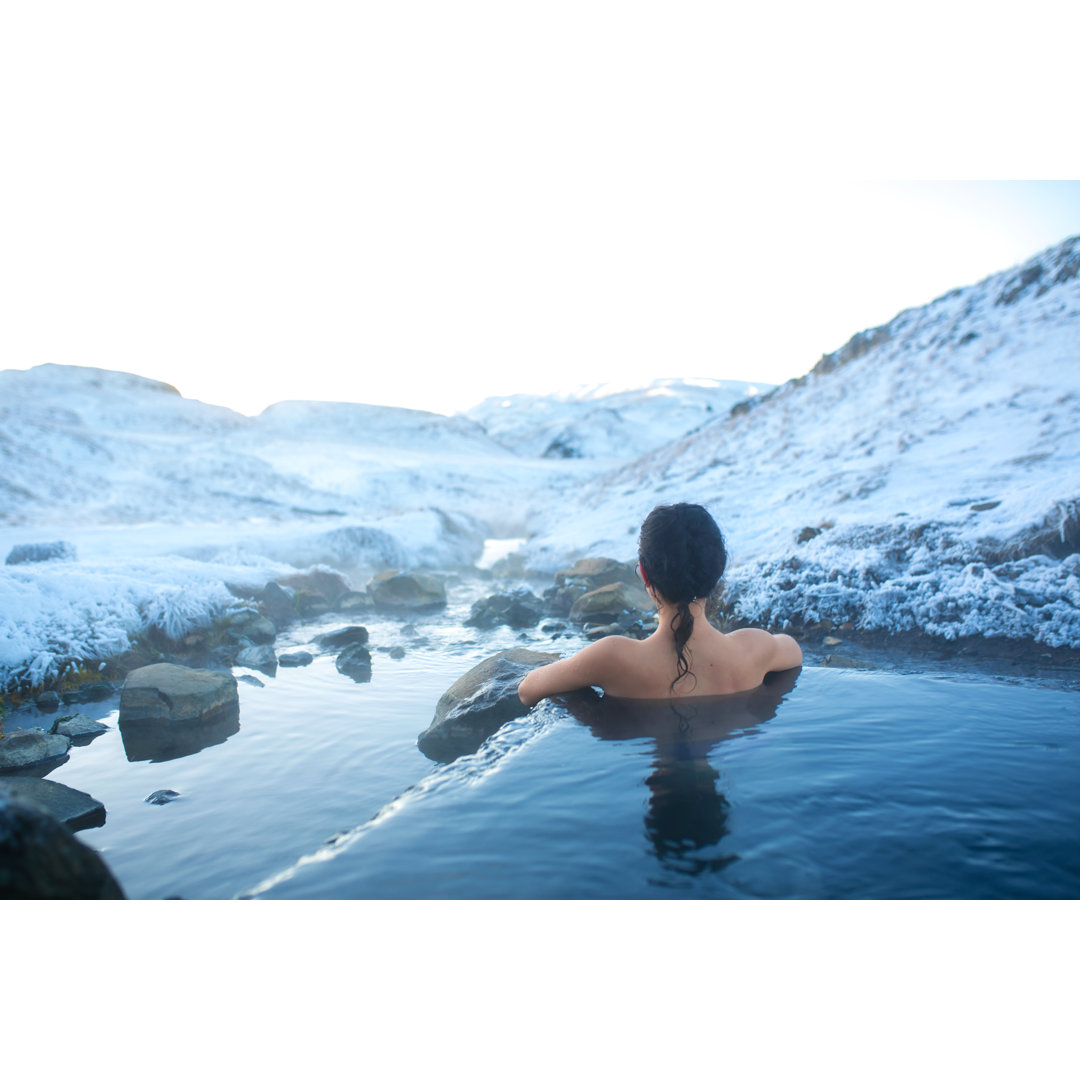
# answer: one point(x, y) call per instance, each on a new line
point(395, 590)
point(32, 751)
point(41, 860)
point(479, 703)
point(75, 809)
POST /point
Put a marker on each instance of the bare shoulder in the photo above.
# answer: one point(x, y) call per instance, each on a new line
point(776, 652)
point(592, 666)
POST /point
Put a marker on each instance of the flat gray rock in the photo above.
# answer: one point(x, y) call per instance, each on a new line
point(295, 659)
point(33, 750)
point(78, 727)
point(479, 703)
point(75, 809)
point(171, 694)
point(395, 590)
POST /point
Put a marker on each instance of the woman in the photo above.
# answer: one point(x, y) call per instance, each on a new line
point(681, 557)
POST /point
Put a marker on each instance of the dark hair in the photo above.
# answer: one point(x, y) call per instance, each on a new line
point(682, 554)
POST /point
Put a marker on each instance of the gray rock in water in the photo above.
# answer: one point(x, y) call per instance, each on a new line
point(517, 609)
point(168, 711)
point(479, 703)
point(32, 750)
point(171, 694)
point(78, 727)
point(279, 603)
point(41, 860)
point(55, 550)
point(300, 658)
point(75, 809)
point(162, 796)
point(49, 701)
point(355, 662)
point(394, 590)
point(609, 602)
point(348, 635)
point(261, 657)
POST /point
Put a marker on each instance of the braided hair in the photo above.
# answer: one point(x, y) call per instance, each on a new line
point(682, 554)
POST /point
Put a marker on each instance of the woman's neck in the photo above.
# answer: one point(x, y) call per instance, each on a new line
point(665, 613)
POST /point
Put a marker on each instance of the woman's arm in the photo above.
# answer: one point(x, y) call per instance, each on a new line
point(586, 668)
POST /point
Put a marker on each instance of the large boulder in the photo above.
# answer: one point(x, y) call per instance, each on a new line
point(172, 694)
point(517, 609)
point(479, 703)
point(40, 859)
point(75, 809)
point(32, 751)
point(168, 711)
point(396, 590)
point(612, 603)
point(593, 573)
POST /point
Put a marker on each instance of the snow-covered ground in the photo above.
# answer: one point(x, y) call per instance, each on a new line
point(925, 476)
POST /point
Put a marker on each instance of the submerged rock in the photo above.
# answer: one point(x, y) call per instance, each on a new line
point(75, 809)
point(32, 750)
point(395, 590)
point(479, 703)
point(40, 859)
point(355, 662)
point(161, 796)
point(260, 657)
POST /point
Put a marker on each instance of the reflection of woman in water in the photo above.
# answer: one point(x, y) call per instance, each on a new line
point(687, 812)
point(681, 557)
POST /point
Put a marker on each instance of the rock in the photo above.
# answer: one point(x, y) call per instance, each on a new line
point(355, 662)
point(397, 652)
point(594, 573)
point(49, 701)
point(78, 727)
point(75, 809)
point(257, 628)
point(250, 680)
point(517, 609)
point(594, 633)
point(479, 703)
point(338, 639)
point(162, 796)
point(32, 750)
point(41, 860)
point(170, 694)
point(278, 603)
point(310, 605)
point(328, 584)
point(395, 590)
point(609, 602)
point(92, 691)
point(48, 552)
point(559, 601)
point(261, 657)
point(353, 601)
point(295, 659)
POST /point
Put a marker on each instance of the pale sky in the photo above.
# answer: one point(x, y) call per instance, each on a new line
point(424, 204)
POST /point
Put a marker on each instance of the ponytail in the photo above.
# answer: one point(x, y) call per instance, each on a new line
point(682, 626)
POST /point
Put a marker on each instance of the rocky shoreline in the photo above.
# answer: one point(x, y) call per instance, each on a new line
point(177, 697)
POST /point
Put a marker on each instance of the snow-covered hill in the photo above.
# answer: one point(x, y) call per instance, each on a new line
point(607, 422)
point(926, 476)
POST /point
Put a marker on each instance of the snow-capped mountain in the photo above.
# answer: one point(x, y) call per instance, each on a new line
point(608, 422)
point(926, 476)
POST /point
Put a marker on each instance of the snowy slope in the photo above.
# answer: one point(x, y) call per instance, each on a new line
point(606, 422)
point(925, 476)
